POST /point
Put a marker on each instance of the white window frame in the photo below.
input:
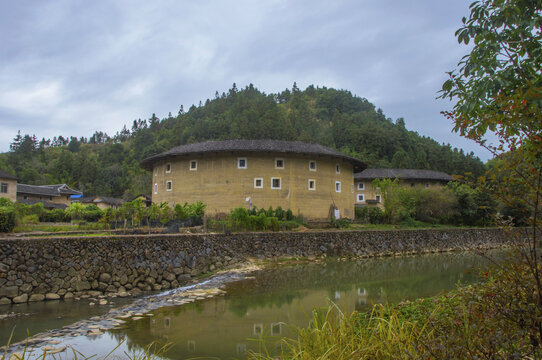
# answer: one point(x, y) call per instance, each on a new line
point(378, 198)
point(309, 185)
point(239, 160)
point(190, 165)
point(361, 186)
point(360, 198)
point(337, 188)
point(258, 187)
point(170, 186)
point(280, 183)
point(337, 168)
point(276, 165)
point(156, 188)
point(168, 171)
point(315, 165)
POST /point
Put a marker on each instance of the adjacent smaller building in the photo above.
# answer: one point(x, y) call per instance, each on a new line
point(8, 186)
point(102, 202)
point(367, 194)
point(51, 196)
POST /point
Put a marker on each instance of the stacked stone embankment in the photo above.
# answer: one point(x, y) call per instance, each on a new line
point(56, 268)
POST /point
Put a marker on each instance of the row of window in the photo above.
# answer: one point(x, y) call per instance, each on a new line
point(276, 184)
point(242, 164)
point(361, 198)
point(361, 186)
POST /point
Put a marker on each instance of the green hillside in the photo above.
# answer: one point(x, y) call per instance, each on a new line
point(110, 165)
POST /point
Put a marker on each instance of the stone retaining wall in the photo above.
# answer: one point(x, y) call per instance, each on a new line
point(54, 268)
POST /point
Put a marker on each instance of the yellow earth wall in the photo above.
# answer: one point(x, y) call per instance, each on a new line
point(222, 186)
point(12, 189)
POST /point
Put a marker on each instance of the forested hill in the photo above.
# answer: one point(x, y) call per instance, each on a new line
point(110, 165)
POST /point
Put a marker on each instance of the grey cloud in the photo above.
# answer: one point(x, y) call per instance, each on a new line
point(73, 67)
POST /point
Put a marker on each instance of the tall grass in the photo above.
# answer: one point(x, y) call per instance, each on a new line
point(380, 334)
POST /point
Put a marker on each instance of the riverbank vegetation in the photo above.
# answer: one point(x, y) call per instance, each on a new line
point(493, 319)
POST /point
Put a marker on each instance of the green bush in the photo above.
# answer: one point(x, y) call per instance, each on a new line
point(243, 219)
point(289, 215)
point(369, 215)
point(7, 218)
point(30, 219)
point(54, 215)
point(5, 202)
point(92, 213)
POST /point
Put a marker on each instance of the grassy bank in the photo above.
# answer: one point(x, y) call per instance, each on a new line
point(498, 318)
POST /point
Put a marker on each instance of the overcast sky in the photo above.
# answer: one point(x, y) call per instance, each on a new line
point(72, 67)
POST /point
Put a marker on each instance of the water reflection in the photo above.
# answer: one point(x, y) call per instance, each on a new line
point(228, 326)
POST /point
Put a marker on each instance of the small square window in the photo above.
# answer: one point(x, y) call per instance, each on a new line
point(312, 165)
point(275, 183)
point(168, 167)
point(258, 329)
point(169, 185)
point(337, 186)
point(377, 198)
point(361, 198)
point(312, 184)
point(4, 188)
point(361, 186)
point(156, 188)
point(412, 184)
point(193, 165)
point(276, 329)
point(426, 185)
point(258, 183)
point(337, 168)
point(279, 164)
point(241, 163)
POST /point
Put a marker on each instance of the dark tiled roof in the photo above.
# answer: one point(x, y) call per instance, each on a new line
point(5, 175)
point(404, 174)
point(100, 199)
point(244, 146)
point(47, 190)
point(46, 204)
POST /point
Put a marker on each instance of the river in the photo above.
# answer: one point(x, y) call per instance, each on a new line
point(262, 305)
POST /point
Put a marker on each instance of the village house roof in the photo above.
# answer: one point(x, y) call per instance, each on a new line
point(403, 174)
point(248, 146)
point(47, 190)
point(5, 175)
point(100, 199)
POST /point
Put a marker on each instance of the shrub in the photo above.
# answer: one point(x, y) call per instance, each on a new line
point(54, 215)
point(369, 215)
point(289, 215)
point(7, 218)
point(92, 213)
point(5, 202)
point(241, 219)
point(30, 219)
point(279, 213)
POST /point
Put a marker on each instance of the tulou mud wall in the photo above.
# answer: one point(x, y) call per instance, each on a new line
point(55, 268)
